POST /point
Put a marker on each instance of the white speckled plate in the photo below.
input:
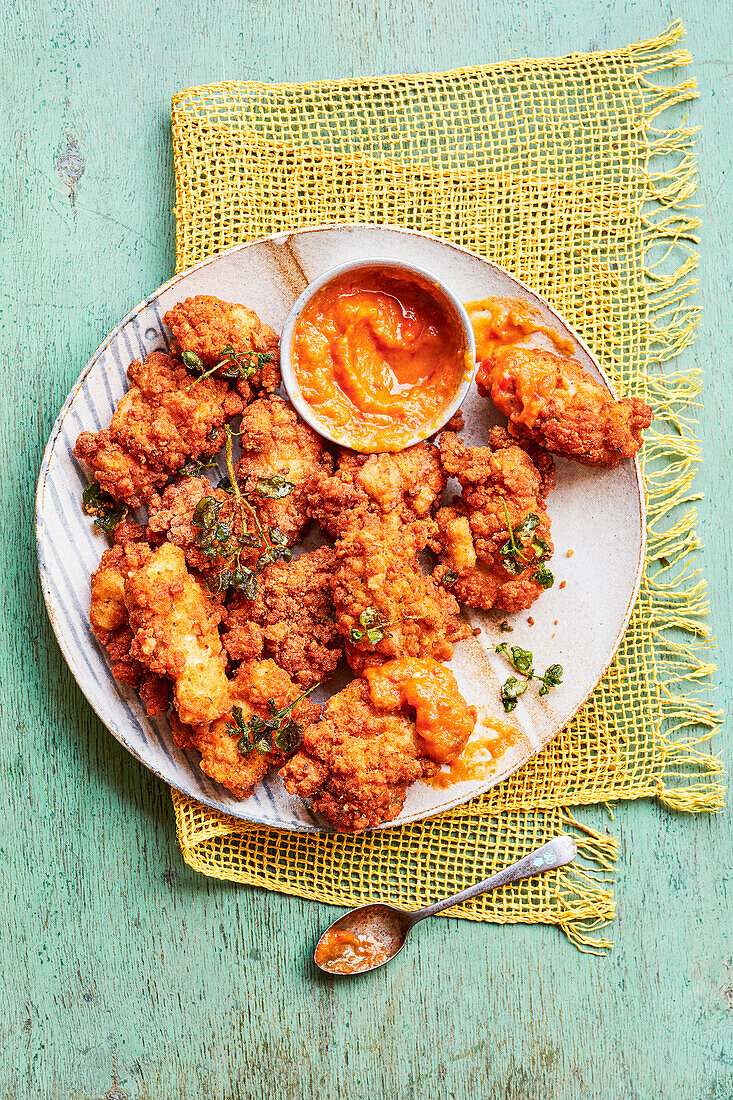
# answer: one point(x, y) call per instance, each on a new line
point(597, 514)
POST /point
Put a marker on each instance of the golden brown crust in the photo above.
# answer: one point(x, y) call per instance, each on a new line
point(501, 488)
point(164, 420)
point(408, 485)
point(357, 762)
point(175, 622)
point(206, 325)
point(256, 683)
point(553, 402)
point(276, 441)
point(291, 618)
point(109, 620)
point(378, 571)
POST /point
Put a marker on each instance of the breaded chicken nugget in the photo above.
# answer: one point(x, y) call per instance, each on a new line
point(213, 329)
point(291, 618)
point(109, 619)
point(385, 606)
point(357, 762)
point(407, 484)
point(553, 402)
point(164, 420)
point(502, 490)
point(258, 687)
point(281, 459)
point(175, 624)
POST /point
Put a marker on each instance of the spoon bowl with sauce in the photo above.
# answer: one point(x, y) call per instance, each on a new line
point(377, 355)
point(368, 937)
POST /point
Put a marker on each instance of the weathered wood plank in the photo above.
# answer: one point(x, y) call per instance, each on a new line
point(128, 976)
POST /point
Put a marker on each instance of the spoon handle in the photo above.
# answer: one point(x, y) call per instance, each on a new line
point(555, 853)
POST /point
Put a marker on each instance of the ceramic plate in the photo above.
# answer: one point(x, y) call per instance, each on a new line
point(598, 515)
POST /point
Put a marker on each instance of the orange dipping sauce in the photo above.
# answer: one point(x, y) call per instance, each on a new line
point(348, 953)
point(443, 719)
point(504, 322)
point(378, 355)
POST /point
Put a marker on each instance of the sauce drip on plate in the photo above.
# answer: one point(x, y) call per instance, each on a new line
point(478, 759)
point(378, 355)
point(504, 322)
point(443, 719)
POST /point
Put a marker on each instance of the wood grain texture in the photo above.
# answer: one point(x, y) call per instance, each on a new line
point(129, 977)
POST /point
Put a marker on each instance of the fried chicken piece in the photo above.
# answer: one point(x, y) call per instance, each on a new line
point(501, 487)
point(552, 401)
point(407, 484)
point(109, 620)
point(357, 762)
point(291, 618)
point(255, 685)
point(276, 443)
point(163, 420)
point(172, 515)
point(379, 577)
point(175, 624)
point(206, 326)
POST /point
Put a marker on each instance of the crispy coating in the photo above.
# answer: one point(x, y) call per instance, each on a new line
point(175, 622)
point(159, 424)
point(255, 684)
point(357, 762)
point(501, 487)
point(552, 401)
point(206, 325)
point(378, 573)
point(275, 441)
point(407, 484)
point(109, 620)
point(171, 518)
point(291, 619)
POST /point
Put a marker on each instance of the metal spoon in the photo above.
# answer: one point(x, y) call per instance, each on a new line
point(385, 928)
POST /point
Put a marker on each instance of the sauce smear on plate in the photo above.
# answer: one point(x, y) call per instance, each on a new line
point(378, 355)
point(504, 322)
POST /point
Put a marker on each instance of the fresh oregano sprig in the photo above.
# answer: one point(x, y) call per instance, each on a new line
point(108, 513)
point(523, 662)
point(278, 730)
point(514, 551)
point(238, 365)
point(217, 537)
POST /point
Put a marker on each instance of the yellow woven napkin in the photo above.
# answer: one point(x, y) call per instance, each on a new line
point(560, 171)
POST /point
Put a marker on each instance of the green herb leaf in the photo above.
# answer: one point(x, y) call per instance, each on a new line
point(527, 525)
point(193, 468)
point(510, 692)
point(543, 576)
point(108, 513)
point(552, 677)
point(275, 487)
point(540, 547)
point(522, 660)
point(192, 362)
point(235, 365)
point(243, 580)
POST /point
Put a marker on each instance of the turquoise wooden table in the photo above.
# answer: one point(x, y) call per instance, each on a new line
point(126, 975)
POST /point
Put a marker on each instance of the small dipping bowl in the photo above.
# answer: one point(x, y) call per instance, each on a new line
point(446, 300)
